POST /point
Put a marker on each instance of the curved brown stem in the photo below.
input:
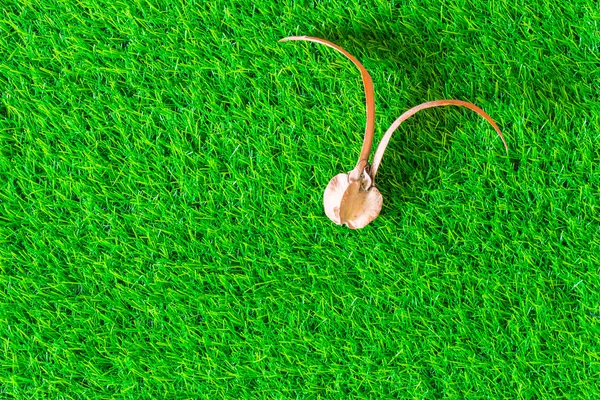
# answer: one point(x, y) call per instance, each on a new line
point(437, 103)
point(370, 102)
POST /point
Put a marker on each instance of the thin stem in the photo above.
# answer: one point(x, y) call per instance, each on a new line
point(430, 104)
point(369, 97)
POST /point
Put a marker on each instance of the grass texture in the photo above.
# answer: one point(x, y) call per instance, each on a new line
point(162, 166)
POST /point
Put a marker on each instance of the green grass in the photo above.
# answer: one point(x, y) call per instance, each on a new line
point(161, 175)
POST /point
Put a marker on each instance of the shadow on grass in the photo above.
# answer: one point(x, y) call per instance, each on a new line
point(398, 53)
point(413, 158)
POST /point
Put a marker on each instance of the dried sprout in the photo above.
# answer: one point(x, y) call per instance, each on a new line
point(352, 199)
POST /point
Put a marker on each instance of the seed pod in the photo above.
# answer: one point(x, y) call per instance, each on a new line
point(352, 199)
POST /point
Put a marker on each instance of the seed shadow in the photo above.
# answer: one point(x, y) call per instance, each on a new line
point(414, 156)
point(396, 55)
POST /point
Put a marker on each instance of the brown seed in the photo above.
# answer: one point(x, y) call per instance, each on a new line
point(352, 199)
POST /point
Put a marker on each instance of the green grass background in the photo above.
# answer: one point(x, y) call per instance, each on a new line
point(162, 166)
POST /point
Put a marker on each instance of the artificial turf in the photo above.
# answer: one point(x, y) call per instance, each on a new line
point(162, 166)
